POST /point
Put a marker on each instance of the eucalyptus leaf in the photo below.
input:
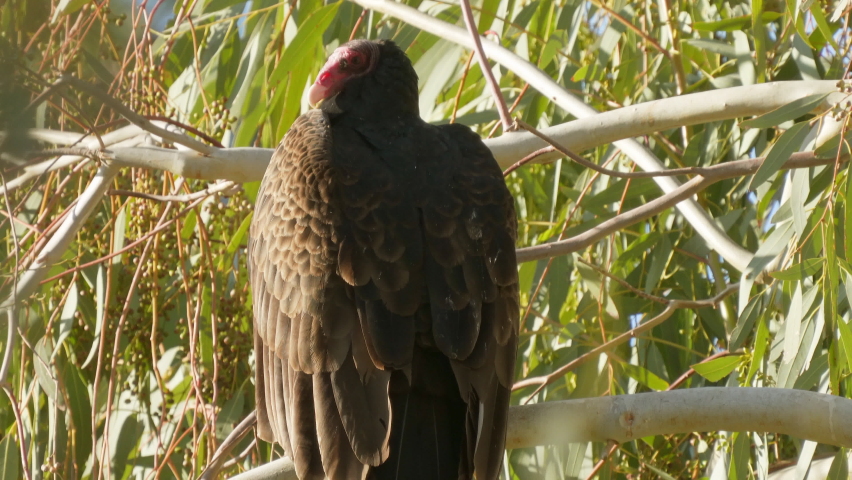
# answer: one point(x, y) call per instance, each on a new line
point(791, 111)
point(788, 143)
point(718, 368)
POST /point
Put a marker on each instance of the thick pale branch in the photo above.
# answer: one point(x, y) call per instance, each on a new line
point(660, 115)
point(59, 242)
point(802, 414)
point(248, 164)
point(58, 137)
point(240, 165)
point(120, 138)
point(806, 415)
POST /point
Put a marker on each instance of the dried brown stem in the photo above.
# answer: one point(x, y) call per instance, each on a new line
point(502, 109)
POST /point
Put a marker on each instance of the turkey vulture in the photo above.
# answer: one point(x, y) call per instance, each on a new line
point(382, 260)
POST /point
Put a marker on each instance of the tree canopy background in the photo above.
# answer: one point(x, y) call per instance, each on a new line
point(132, 356)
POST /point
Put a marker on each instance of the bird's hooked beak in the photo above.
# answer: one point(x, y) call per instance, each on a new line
point(317, 94)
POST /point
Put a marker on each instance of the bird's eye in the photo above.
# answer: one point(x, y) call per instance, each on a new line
point(343, 64)
point(356, 61)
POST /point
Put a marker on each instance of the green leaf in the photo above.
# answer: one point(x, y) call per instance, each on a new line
point(799, 271)
point(839, 469)
point(788, 143)
point(237, 239)
point(831, 148)
point(735, 23)
point(645, 377)
point(67, 7)
point(760, 342)
point(717, 369)
point(44, 372)
point(189, 223)
point(230, 414)
point(662, 474)
point(81, 412)
point(712, 46)
point(740, 457)
point(10, 459)
point(822, 24)
point(845, 340)
point(791, 111)
point(660, 257)
point(66, 318)
point(291, 72)
point(745, 323)
point(793, 325)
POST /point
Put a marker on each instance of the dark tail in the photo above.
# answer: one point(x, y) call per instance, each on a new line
point(428, 415)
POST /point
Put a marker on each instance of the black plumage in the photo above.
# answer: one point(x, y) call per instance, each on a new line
point(385, 284)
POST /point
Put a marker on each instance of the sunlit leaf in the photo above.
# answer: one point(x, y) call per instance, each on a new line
point(67, 7)
point(800, 271)
point(791, 111)
point(10, 459)
point(839, 469)
point(735, 23)
point(645, 377)
point(240, 234)
point(719, 368)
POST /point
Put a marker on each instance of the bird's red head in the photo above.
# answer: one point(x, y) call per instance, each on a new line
point(350, 60)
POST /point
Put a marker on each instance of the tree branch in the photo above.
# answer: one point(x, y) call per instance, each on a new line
point(709, 176)
point(502, 109)
point(125, 137)
point(55, 248)
point(135, 118)
point(623, 418)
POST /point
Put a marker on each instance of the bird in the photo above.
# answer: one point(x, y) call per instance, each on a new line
point(385, 284)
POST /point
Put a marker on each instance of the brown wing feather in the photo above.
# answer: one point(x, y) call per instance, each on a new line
point(305, 317)
point(477, 257)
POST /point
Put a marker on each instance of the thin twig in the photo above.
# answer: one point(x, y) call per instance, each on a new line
point(623, 283)
point(210, 190)
point(241, 456)
point(461, 88)
point(97, 155)
point(672, 306)
point(12, 314)
point(21, 436)
point(613, 446)
point(708, 176)
point(355, 28)
point(189, 128)
point(529, 158)
point(502, 109)
point(137, 119)
point(691, 370)
point(231, 441)
point(612, 173)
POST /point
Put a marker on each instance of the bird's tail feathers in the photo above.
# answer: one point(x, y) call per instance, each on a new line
point(428, 433)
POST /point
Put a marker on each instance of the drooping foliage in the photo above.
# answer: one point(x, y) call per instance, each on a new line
point(135, 359)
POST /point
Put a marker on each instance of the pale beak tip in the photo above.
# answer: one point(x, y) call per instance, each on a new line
point(316, 94)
